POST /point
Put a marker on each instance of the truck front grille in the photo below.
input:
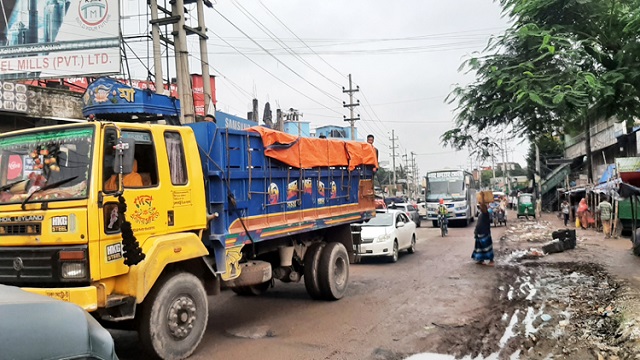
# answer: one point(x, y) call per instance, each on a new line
point(20, 229)
point(32, 266)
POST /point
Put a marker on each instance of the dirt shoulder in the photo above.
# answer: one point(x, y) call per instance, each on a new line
point(582, 303)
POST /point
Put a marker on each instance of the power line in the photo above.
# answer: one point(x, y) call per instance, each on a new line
point(277, 78)
point(273, 56)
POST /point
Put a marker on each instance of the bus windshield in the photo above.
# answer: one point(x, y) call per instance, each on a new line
point(448, 185)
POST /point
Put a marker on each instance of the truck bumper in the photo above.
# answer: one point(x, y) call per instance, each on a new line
point(85, 297)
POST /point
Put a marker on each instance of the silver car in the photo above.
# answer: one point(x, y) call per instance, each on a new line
point(409, 209)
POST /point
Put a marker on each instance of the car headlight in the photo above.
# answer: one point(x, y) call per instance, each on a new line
point(383, 238)
point(460, 208)
point(74, 270)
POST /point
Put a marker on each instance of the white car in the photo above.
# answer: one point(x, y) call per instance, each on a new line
point(422, 210)
point(387, 234)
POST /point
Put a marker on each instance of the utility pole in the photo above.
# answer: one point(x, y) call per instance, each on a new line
point(351, 105)
point(493, 167)
point(406, 168)
point(505, 169)
point(157, 52)
point(204, 57)
point(393, 155)
point(185, 92)
point(414, 176)
point(506, 152)
point(538, 173)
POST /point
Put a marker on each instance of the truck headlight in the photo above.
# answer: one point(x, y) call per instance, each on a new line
point(383, 238)
point(74, 270)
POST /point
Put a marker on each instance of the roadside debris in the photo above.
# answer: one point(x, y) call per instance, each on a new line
point(546, 310)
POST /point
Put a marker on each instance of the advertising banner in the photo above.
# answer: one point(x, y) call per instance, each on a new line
point(59, 38)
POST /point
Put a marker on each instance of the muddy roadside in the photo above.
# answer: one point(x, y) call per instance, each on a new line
point(582, 303)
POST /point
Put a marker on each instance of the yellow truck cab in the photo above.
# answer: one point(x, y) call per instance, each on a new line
point(113, 215)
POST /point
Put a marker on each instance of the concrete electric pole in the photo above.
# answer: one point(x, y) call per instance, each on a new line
point(351, 105)
point(201, 31)
point(393, 155)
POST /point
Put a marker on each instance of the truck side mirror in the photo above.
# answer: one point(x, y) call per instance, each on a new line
point(128, 148)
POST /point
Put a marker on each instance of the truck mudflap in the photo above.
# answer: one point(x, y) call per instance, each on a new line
point(86, 297)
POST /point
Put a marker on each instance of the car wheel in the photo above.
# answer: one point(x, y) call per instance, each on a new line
point(174, 316)
point(396, 253)
point(333, 271)
point(311, 261)
point(412, 248)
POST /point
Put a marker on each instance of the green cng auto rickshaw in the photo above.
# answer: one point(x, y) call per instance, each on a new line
point(526, 206)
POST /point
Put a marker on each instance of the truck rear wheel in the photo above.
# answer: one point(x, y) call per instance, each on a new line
point(311, 262)
point(333, 271)
point(174, 317)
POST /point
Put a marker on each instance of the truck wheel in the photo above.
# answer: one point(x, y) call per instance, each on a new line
point(174, 317)
point(252, 290)
point(333, 271)
point(311, 263)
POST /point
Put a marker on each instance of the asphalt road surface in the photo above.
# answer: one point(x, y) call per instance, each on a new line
point(390, 310)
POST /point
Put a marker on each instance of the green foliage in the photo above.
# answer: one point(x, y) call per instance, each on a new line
point(561, 63)
point(549, 147)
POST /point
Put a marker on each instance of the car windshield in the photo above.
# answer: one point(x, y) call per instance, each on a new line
point(48, 165)
point(381, 219)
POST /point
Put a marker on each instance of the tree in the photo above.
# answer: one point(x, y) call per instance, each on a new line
point(549, 147)
point(561, 66)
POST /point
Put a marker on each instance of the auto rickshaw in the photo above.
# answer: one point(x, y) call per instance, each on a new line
point(526, 206)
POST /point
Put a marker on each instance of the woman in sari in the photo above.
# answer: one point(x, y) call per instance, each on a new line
point(483, 251)
point(583, 213)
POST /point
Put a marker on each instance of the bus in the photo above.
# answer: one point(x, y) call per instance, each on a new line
point(458, 190)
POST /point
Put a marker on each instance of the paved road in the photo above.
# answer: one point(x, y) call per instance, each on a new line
point(388, 312)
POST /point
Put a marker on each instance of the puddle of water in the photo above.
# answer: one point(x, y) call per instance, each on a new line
point(508, 332)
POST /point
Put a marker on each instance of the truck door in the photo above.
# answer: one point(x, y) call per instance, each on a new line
point(141, 194)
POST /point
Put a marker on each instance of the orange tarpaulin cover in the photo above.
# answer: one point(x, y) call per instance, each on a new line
point(307, 153)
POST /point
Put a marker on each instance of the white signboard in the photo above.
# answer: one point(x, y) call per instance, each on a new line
point(56, 39)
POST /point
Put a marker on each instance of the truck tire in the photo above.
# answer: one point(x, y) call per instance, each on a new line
point(174, 317)
point(252, 290)
point(333, 271)
point(311, 262)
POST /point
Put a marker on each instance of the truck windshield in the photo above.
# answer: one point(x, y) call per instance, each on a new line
point(38, 160)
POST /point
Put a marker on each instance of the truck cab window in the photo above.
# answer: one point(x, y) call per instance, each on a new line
point(145, 170)
point(177, 162)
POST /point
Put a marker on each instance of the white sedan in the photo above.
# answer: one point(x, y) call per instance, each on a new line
point(387, 234)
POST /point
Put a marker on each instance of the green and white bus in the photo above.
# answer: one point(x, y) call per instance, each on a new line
point(458, 190)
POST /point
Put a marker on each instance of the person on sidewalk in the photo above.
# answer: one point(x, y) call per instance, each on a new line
point(483, 249)
point(565, 208)
point(605, 209)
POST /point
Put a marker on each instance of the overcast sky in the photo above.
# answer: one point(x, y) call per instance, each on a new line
point(403, 54)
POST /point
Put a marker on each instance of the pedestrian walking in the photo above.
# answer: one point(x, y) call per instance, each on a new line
point(605, 209)
point(483, 249)
point(581, 213)
point(565, 208)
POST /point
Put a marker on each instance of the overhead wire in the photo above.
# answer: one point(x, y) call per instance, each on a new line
point(273, 56)
point(282, 44)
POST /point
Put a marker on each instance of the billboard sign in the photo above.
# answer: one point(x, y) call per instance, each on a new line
point(59, 38)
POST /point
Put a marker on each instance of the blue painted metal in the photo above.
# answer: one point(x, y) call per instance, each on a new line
point(242, 182)
point(233, 122)
point(107, 96)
